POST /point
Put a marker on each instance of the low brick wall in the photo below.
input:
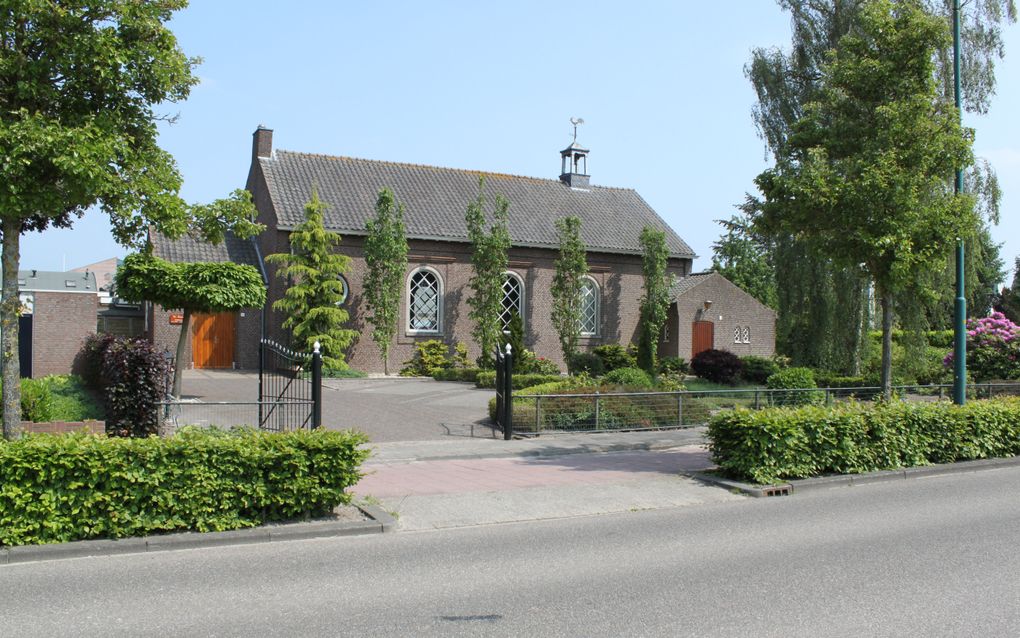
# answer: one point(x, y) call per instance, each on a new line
point(64, 427)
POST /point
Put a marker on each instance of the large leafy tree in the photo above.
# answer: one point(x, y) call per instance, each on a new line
point(823, 307)
point(745, 259)
point(655, 300)
point(386, 263)
point(313, 302)
point(191, 287)
point(490, 245)
point(571, 269)
point(79, 84)
point(864, 181)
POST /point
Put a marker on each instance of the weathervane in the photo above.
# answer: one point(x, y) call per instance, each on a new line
point(575, 121)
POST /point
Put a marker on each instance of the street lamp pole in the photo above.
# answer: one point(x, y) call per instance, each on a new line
point(960, 340)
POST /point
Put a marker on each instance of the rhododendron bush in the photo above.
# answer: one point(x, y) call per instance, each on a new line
point(993, 348)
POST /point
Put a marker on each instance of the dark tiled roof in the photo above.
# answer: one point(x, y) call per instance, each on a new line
point(50, 281)
point(190, 248)
point(435, 200)
point(688, 282)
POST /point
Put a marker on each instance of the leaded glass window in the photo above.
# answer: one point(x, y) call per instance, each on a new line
point(513, 300)
point(736, 335)
point(589, 307)
point(424, 303)
point(746, 336)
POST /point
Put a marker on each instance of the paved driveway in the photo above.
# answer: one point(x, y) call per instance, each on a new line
point(391, 409)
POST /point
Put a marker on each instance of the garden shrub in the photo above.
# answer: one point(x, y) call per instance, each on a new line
point(460, 374)
point(673, 365)
point(631, 377)
point(133, 379)
point(719, 366)
point(585, 362)
point(993, 348)
point(788, 443)
point(57, 398)
point(429, 357)
point(460, 355)
point(668, 382)
point(793, 379)
point(614, 357)
point(831, 380)
point(77, 487)
point(528, 363)
point(757, 369)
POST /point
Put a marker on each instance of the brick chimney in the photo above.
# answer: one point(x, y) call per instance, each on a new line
point(261, 143)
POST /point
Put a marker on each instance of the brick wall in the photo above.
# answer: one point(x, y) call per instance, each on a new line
point(731, 308)
point(64, 427)
point(619, 278)
point(247, 329)
point(61, 322)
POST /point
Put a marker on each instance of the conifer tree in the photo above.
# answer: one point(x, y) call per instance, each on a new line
point(312, 304)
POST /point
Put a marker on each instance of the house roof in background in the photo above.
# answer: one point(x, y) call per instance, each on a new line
point(105, 271)
point(50, 281)
point(687, 283)
point(191, 248)
point(435, 200)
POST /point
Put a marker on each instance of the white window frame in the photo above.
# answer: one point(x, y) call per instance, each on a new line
point(746, 334)
point(347, 290)
point(520, 299)
point(736, 334)
point(440, 288)
point(598, 308)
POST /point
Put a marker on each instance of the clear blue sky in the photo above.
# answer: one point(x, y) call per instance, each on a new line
point(491, 86)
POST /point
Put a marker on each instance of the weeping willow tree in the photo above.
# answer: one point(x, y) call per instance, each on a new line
point(824, 309)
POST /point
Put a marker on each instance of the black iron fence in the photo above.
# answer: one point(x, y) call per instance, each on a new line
point(289, 397)
point(505, 391)
point(598, 411)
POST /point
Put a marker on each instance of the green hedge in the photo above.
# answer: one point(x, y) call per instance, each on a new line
point(459, 374)
point(487, 379)
point(76, 487)
point(788, 443)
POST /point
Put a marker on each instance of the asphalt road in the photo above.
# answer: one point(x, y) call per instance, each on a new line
point(927, 557)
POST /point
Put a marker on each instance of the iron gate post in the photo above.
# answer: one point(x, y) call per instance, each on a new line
point(316, 386)
point(508, 394)
point(262, 365)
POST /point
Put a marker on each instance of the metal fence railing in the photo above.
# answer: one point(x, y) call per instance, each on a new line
point(589, 412)
point(274, 416)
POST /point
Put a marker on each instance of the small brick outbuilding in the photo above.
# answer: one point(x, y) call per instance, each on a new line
point(58, 314)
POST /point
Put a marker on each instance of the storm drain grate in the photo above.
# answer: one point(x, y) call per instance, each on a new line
point(777, 490)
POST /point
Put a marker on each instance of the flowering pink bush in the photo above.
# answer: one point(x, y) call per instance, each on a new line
point(993, 348)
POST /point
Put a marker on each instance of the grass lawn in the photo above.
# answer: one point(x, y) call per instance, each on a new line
point(59, 398)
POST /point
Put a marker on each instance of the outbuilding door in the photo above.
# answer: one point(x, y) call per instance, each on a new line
point(212, 340)
point(702, 337)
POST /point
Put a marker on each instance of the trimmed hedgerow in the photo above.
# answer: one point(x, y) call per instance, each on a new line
point(76, 487)
point(459, 374)
point(633, 377)
point(789, 443)
point(487, 379)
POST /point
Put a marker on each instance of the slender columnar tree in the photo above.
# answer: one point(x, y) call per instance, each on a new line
point(489, 257)
point(655, 300)
point(313, 303)
point(386, 262)
point(571, 269)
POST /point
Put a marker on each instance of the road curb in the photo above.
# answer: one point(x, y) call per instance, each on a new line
point(380, 522)
point(803, 486)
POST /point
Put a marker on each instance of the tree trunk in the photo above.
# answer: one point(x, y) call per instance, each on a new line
point(887, 325)
point(182, 346)
point(10, 311)
point(386, 361)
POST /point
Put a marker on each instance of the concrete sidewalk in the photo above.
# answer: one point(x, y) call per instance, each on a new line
point(433, 485)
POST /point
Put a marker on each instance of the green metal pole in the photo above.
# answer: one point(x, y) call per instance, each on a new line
point(960, 341)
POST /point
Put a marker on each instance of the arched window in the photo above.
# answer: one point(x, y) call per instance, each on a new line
point(513, 300)
point(736, 335)
point(746, 336)
point(589, 307)
point(345, 290)
point(424, 301)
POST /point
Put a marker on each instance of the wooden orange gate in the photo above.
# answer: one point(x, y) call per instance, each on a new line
point(212, 340)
